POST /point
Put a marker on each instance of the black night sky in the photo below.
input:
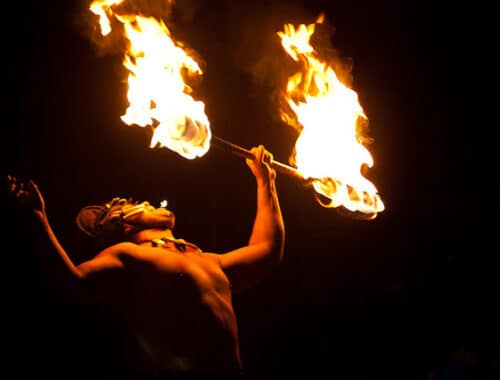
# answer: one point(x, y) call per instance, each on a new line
point(408, 295)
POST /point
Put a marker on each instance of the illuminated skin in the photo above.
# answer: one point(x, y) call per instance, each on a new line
point(179, 303)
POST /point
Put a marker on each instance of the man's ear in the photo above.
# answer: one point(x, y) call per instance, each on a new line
point(88, 218)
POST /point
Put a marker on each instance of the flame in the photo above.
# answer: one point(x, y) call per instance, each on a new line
point(157, 93)
point(326, 112)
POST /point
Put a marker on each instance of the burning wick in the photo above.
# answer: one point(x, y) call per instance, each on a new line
point(164, 203)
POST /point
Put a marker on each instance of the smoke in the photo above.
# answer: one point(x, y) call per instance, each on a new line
point(257, 48)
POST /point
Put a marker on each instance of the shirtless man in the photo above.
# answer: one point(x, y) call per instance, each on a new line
point(177, 298)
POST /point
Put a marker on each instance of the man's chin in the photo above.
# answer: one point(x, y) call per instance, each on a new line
point(163, 222)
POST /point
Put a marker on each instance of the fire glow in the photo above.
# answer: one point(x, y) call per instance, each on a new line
point(326, 114)
point(157, 93)
point(328, 153)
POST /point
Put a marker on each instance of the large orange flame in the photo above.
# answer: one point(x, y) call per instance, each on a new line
point(158, 95)
point(326, 112)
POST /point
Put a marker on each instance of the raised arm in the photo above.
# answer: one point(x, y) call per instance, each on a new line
point(65, 277)
point(29, 196)
point(248, 265)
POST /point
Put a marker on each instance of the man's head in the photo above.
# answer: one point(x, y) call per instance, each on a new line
point(114, 221)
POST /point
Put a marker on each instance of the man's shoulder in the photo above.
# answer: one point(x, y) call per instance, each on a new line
point(120, 249)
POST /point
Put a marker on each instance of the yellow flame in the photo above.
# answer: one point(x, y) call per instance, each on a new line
point(157, 92)
point(101, 8)
point(328, 149)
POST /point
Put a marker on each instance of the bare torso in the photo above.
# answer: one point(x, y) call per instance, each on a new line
point(183, 320)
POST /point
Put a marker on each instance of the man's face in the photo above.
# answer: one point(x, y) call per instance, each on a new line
point(129, 209)
point(146, 215)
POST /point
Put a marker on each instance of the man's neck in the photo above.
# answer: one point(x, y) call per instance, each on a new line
point(150, 234)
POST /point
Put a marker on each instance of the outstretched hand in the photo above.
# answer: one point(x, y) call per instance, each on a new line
point(27, 194)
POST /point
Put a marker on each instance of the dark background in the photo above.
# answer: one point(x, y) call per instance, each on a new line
point(408, 295)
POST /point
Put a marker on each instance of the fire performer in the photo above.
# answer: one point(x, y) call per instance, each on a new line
point(176, 297)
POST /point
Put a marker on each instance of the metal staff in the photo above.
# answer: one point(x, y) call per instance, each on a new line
point(245, 153)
